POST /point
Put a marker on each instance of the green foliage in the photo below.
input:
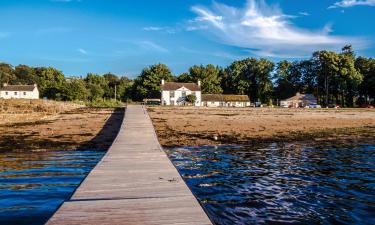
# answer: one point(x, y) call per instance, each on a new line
point(50, 82)
point(147, 85)
point(75, 91)
point(191, 99)
point(251, 77)
point(209, 76)
point(337, 78)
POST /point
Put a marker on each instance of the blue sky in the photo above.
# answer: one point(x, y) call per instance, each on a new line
point(80, 36)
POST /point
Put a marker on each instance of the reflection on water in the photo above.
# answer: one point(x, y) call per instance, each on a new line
point(281, 184)
point(34, 184)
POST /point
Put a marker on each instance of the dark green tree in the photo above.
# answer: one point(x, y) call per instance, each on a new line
point(50, 82)
point(209, 76)
point(25, 75)
point(147, 85)
point(7, 75)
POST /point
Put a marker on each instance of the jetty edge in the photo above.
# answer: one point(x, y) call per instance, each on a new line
point(134, 183)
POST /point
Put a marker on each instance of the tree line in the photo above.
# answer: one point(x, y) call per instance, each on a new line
point(333, 77)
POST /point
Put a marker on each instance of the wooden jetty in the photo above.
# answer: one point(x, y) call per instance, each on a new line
point(134, 183)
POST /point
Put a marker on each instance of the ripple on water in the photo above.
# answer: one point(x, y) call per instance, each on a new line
point(281, 184)
point(34, 184)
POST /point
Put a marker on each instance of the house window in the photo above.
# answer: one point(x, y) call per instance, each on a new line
point(6, 93)
point(184, 94)
point(15, 93)
point(24, 93)
point(171, 94)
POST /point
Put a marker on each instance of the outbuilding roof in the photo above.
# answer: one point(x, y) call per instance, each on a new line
point(18, 88)
point(302, 97)
point(172, 86)
point(224, 98)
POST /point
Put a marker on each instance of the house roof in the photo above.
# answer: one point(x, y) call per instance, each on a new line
point(172, 86)
point(302, 97)
point(18, 88)
point(225, 98)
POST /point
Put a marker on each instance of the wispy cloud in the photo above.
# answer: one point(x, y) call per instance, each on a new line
point(149, 45)
point(351, 3)
point(265, 30)
point(66, 1)
point(304, 13)
point(169, 30)
point(82, 51)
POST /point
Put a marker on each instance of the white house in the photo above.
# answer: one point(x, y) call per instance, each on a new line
point(299, 100)
point(173, 93)
point(19, 92)
point(218, 100)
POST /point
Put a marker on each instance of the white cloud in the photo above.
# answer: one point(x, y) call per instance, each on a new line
point(82, 51)
point(351, 3)
point(65, 1)
point(265, 30)
point(164, 29)
point(304, 13)
point(149, 45)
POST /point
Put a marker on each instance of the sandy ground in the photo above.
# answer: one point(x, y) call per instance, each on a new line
point(200, 126)
point(77, 128)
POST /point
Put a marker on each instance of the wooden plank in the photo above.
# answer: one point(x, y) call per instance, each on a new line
point(134, 183)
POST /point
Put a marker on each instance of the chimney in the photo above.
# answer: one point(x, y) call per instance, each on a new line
point(35, 85)
point(162, 82)
point(199, 83)
point(298, 94)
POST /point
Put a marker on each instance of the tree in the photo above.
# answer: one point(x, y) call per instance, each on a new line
point(25, 75)
point(110, 89)
point(209, 76)
point(96, 85)
point(7, 75)
point(184, 78)
point(75, 90)
point(50, 82)
point(251, 77)
point(351, 78)
point(366, 66)
point(327, 64)
point(285, 87)
point(191, 99)
point(147, 85)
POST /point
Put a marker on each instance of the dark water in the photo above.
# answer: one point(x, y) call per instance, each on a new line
point(282, 184)
point(34, 184)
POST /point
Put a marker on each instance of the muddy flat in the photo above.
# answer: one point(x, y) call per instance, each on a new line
point(188, 126)
point(70, 128)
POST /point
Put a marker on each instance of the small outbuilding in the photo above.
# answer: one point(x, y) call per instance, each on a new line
point(19, 92)
point(299, 101)
point(219, 100)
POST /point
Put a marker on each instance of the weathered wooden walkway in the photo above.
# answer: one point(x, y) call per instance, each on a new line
point(135, 183)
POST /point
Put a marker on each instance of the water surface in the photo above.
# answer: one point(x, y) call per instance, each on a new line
point(34, 184)
point(281, 184)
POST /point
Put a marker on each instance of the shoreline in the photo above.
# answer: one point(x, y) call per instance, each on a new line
point(189, 126)
point(83, 128)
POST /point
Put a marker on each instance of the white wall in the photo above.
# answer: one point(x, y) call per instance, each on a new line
point(225, 104)
point(20, 94)
point(178, 99)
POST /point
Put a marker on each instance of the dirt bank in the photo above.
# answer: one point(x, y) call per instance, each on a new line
point(201, 126)
point(64, 129)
